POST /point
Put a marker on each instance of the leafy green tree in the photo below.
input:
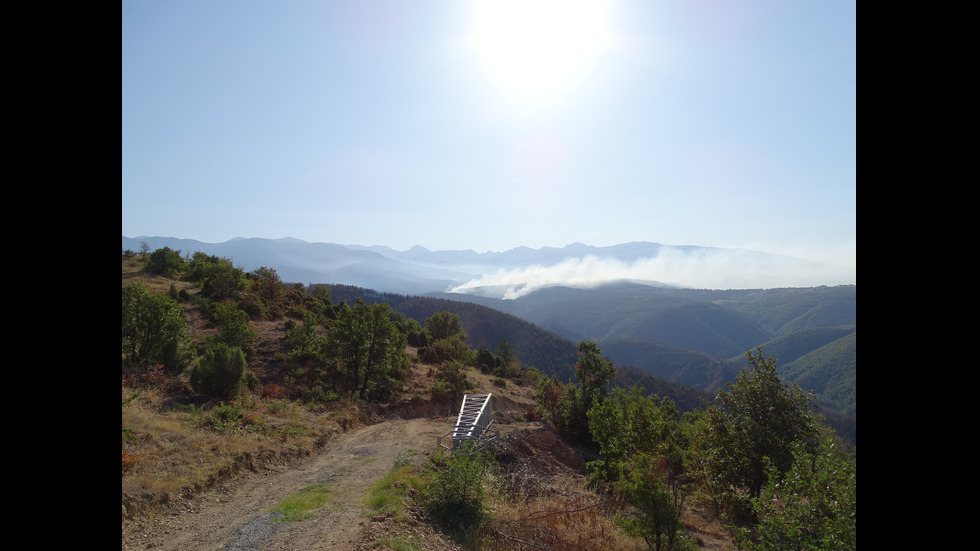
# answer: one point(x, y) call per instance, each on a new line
point(154, 329)
point(566, 405)
point(657, 496)
point(444, 325)
point(303, 342)
point(639, 441)
point(445, 340)
point(450, 381)
point(812, 506)
point(506, 352)
point(368, 350)
point(166, 262)
point(223, 281)
point(219, 372)
point(445, 350)
point(594, 372)
point(268, 292)
point(198, 266)
point(233, 326)
point(486, 360)
point(629, 423)
point(754, 424)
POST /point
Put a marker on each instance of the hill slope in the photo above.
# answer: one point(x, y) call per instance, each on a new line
point(699, 337)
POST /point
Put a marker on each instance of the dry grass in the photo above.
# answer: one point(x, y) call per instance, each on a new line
point(172, 450)
point(566, 517)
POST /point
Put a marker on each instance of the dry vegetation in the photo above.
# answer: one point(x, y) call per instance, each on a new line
point(173, 452)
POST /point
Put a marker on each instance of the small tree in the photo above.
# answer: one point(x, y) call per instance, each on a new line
point(444, 325)
point(638, 438)
point(165, 261)
point(655, 491)
point(233, 326)
point(304, 344)
point(566, 406)
point(753, 424)
point(219, 372)
point(367, 350)
point(450, 381)
point(154, 329)
point(222, 280)
point(268, 291)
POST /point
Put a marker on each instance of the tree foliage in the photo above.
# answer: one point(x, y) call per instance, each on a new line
point(165, 261)
point(640, 444)
point(233, 326)
point(566, 405)
point(457, 497)
point(221, 280)
point(219, 372)
point(303, 341)
point(450, 381)
point(656, 492)
point(445, 340)
point(444, 325)
point(366, 351)
point(813, 505)
point(154, 329)
point(754, 424)
point(266, 294)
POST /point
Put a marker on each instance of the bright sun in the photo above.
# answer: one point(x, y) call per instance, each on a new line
point(533, 49)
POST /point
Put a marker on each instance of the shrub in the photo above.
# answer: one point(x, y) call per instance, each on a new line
point(276, 391)
point(233, 327)
point(219, 372)
point(814, 506)
point(317, 395)
point(457, 497)
point(165, 261)
point(154, 330)
point(450, 381)
point(224, 416)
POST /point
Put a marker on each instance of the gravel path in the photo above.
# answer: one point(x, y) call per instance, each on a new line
point(239, 518)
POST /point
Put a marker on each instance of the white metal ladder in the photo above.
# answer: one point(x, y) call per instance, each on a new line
point(473, 422)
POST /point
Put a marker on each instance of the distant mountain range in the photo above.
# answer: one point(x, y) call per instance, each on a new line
point(688, 336)
point(511, 273)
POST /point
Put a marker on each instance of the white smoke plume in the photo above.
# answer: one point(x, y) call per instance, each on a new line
point(700, 269)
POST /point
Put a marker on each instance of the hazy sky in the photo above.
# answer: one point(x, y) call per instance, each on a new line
point(465, 125)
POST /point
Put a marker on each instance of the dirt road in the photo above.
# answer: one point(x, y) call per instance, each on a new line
point(239, 518)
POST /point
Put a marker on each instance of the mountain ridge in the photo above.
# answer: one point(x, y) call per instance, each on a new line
point(504, 274)
point(689, 336)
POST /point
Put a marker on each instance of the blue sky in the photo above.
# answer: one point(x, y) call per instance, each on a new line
point(443, 124)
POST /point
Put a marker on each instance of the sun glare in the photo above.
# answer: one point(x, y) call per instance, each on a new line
point(533, 49)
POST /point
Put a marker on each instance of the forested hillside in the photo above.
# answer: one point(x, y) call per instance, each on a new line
point(547, 352)
point(222, 368)
point(700, 336)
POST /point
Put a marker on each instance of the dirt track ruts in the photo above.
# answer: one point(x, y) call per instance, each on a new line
point(239, 518)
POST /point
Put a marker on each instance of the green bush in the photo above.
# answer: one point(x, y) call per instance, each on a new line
point(457, 497)
point(224, 416)
point(166, 262)
point(318, 395)
point(233, 326)
point(154, 330)
point(219, 372)
point(751, 431)
point(450, 381)
point(814, 506)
